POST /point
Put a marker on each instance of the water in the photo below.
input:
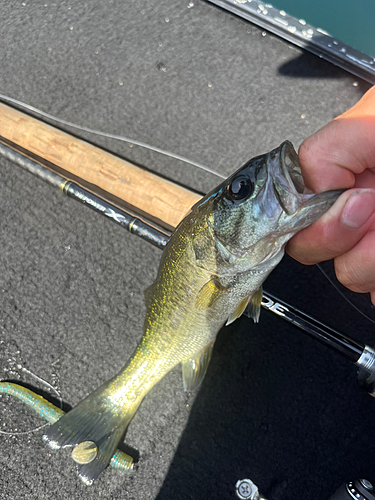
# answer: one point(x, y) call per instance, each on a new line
point(350, 21)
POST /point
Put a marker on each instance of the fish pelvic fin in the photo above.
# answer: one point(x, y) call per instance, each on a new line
point(254, 306)
point(239, 311)
point(195, 368)
point(95, 423)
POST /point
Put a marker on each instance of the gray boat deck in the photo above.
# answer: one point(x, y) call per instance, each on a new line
point(275, 406)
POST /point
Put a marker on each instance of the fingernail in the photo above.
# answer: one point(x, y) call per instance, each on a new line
point(358, 209)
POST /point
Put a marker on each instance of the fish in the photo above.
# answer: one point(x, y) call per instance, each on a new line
point(211, 272)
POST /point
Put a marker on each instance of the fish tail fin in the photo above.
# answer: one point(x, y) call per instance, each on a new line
point(96, 424)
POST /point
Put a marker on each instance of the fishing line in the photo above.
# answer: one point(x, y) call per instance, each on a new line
point(342, 294)
point(45, 383)
point(120, 460)
point(341, 343)
point(157, 150)
point(110, 136)
point(39, 379)
point(362, 355)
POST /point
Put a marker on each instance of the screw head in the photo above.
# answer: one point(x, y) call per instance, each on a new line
point(366, 484)
point(246, 490)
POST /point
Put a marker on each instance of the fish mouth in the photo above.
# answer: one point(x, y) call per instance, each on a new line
point(288, 183)
point(290, 190)
point(290, 167)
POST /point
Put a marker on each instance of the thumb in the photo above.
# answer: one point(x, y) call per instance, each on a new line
point(338, 230)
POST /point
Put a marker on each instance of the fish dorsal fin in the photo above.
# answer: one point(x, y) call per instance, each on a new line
point(209, 293)
point(239, 310)
point(195, 368)
point(148, 294)
point(253, 308)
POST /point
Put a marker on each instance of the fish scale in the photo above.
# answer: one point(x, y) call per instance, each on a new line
point(212, 267)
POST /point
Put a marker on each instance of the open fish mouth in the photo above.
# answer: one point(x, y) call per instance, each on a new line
point(290, 190)
point(287, 179)
point(289, 163)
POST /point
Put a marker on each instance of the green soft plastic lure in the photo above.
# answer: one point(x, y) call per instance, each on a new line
point(51, 414)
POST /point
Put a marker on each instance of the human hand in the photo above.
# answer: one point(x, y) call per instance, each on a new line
point(342, 155)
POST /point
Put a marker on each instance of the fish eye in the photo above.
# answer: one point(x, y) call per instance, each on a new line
point(240, 188)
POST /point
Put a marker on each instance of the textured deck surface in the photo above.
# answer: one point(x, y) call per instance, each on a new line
point(275, 406)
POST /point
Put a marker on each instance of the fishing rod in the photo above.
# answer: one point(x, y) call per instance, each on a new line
point(358, 353)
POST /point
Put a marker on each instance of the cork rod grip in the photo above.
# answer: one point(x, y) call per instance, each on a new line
point(145, 192)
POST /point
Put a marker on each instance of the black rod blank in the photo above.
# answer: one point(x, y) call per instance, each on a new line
point(341, 343)
point(326, 335)
point(126, 220)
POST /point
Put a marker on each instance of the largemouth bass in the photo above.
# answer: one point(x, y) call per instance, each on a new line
point(211, 271)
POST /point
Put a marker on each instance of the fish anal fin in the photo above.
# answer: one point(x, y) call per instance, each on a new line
point(254, 306)
point(195, 368)
point(239, 310)
point(209, 294)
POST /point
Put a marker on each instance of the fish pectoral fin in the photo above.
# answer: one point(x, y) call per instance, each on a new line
point(195, 368)
point(240, 309)
point(209, 294)
point(255, 303)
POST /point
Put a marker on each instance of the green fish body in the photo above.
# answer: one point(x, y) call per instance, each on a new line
point(211, 271)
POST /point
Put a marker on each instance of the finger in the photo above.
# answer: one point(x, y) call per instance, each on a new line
point(364, 107)
point(366, 179)
point(332, 157)
point(338, 230)
point(356, 268)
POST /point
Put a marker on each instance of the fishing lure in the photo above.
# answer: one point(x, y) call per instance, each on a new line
point(83, 453)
